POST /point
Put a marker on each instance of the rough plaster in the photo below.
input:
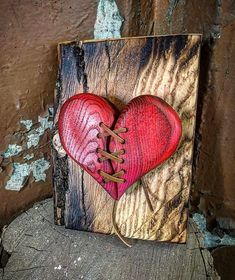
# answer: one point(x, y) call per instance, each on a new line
point(214, 176)
point(30, 32)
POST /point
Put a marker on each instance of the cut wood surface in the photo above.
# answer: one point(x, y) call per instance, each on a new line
point(41, 250)
point(119, 70)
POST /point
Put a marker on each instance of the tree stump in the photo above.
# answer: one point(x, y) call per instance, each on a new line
point(41, 250)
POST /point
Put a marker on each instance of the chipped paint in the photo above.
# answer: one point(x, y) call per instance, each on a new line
point(22, 170)
point(108, 20)
point(12, 150)
point(212, 239)
point(34, 135)
point(37, 168)
point(27, 123)
point(29, 156)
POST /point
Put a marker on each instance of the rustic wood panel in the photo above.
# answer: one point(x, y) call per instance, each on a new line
point(166, 66)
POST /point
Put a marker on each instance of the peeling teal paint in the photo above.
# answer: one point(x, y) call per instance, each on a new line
point(27, 123)
point(12, 150)
point(108, 20)
point(22, 170)
point(29, 156)
point(37, 168)
point(211, 240)
point(33, 137)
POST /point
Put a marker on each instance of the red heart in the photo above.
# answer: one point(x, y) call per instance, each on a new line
point(153, 134)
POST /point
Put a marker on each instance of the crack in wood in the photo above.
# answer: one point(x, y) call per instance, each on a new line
point(81, 74)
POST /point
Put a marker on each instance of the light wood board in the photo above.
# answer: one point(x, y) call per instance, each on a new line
point(166, 66)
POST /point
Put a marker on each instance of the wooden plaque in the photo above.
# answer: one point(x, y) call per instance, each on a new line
point(118, 70)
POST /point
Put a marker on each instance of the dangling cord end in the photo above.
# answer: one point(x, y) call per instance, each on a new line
point(146, 193)
point(116, 228)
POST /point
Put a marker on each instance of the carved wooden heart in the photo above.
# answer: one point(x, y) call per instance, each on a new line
point(118, 149)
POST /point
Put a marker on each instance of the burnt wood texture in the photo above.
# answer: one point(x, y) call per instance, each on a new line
point(119, 70)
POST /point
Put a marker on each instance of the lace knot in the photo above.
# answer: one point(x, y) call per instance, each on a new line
point(106, 155)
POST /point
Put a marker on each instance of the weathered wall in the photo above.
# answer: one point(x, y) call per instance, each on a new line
point(215, 172)
point(30, 31)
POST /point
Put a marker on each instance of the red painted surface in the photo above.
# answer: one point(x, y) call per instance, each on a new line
point(154, 131)
point(78, 123)
point(153, 134)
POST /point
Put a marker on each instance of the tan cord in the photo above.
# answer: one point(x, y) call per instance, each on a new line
point(116, 177)
point(124, 240)
point(112, 177)
point(113, 133)
point(118, 174)
point(112, 156)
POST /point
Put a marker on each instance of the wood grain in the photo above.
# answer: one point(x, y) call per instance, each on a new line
point(79, 125)
point(153, 134)
point(146, 133)
point(40, 250)
point(120, 70)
